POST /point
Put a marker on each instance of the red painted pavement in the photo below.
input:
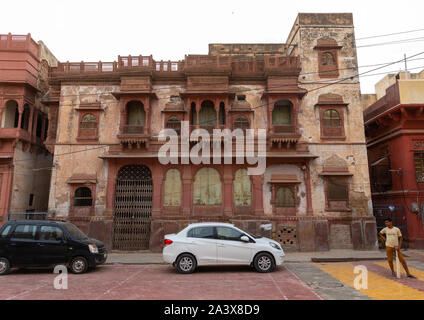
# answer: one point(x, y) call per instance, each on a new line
point(158, 282)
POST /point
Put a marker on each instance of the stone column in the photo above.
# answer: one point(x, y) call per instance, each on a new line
point(257, 195)
point(34, 123)
point(216, 106)
point(228, 191)
point(21, 111)
point(197, 112)
point(307, 178)
point(110, 187)
point(123, 116)
point(187, 193)
point(147, 121)
point(157, 176)
point(31, 119)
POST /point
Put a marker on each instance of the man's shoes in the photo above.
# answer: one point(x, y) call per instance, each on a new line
point(411, 276)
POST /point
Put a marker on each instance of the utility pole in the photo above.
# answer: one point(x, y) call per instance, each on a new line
point(406, 68)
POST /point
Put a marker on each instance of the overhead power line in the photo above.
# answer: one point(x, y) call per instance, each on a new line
point(389, 34)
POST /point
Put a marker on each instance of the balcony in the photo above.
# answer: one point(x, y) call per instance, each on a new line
point(19, 55)
point(14, 42)
point(273, 65)
point(132, 129)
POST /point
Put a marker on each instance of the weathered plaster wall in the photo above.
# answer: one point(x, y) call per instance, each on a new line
point(31, 175)
point(352, 149)
point(73, 157)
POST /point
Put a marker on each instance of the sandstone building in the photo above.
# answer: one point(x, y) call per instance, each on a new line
point(105, 119)
point(25, 163)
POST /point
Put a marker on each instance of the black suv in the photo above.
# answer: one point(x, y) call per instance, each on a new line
point(37, 243)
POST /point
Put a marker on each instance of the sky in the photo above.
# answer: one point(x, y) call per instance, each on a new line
point(92, 30)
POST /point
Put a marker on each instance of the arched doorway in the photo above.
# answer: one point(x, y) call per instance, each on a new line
point(133, 208)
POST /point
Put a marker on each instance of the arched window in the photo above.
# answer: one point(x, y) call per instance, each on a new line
point(284, 197)
point(172, 196)
point(174, 123)
point(327, 59)
point(207, 115)
point(136, 117)
point(207, 188)
point(331, 119)
point(88, 121)
point(10, 116)
point(242, 188)
point(82, 197)
point(241, 123)
point(282, 113)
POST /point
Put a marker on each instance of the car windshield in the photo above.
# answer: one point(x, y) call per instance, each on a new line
point(75, 232)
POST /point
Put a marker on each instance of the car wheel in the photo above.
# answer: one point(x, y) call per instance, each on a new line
point(186, 263)
point(4, 266)
point(79, 265)
point(264, 262)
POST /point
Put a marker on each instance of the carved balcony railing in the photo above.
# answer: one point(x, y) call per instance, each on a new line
point(191, 63)
point(15, 42)
point(283, 129)
point(174, 125)
point(132, 129)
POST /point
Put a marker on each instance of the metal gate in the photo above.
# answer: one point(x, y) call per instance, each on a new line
point(133, 208)
point(398, 215)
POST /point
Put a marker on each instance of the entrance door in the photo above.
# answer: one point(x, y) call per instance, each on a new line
point(133, 208)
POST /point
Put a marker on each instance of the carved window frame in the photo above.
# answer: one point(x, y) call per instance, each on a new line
point(88, 135)
point(336, 132)
point(324, 47)
point(286, 211)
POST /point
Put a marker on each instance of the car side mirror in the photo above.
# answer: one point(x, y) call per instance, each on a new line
point(244, 238)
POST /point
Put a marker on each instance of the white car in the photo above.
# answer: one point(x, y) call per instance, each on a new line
point(202, 244)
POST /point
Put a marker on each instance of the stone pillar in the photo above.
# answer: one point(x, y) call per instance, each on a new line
point(157, 176)
point(21, 111)
point(307, 178)
point(31, 119)
point(147, 121)
point(187, 193)
point(197, 112)
point(228, 191)
point(34, 123)
point(110, 187)
point(2, 107)
point(269, 120)
point(257, 195)
point(123, 116)
point(216, 106)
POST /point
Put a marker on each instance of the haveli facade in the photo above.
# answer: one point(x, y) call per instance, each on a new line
point(394, 127)
point(105, 119)
point(25, 163)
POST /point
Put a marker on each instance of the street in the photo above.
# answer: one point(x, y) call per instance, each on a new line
point(292, 281)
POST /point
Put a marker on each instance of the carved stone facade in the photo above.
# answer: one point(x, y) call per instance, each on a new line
point(25, 163)
point(275, 87)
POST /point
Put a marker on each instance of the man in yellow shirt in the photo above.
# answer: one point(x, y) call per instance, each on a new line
point(393, 238)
